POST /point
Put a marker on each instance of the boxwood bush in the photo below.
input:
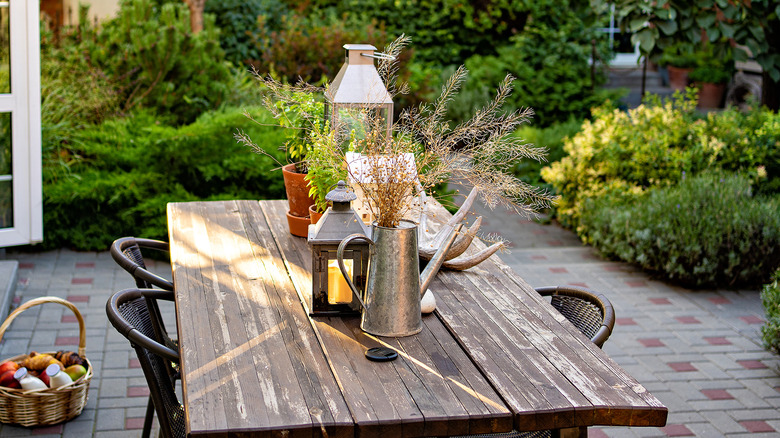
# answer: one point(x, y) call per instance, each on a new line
point(770, 298)
point(622, 153)
point(114, 179)
point(708, 230)
point(637, 158)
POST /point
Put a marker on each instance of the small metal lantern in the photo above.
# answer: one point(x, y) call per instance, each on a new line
point(358, 89)
point(330, 293)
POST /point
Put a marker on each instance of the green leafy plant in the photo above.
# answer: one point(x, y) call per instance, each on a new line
point(708, 230)
point(745, 23)
point(146, 57)
point(325, 169)
point(238, 19)
point(307, 45)
point(770, 298)
point(625, 153)
point(680, 54)
point(299, 109)
point(551, 61)
point(114, 179)
point(710, 74)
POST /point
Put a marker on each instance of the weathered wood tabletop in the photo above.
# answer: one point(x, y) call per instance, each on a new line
point(493, 357)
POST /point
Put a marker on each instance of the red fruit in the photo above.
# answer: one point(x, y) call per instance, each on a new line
point(7, 380)
point(8, 365)
point(44, 377)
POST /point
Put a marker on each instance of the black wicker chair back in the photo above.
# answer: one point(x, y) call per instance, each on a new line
point(589, 311)
point(129, 314)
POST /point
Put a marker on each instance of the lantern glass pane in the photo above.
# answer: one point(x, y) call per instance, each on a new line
point(361, 121)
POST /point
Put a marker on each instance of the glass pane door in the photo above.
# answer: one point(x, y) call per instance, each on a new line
point(21, 215)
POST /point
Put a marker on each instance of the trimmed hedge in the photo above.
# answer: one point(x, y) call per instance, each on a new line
point(710, 230)
point(626, 173)
point(770, 298)
point(115, 179)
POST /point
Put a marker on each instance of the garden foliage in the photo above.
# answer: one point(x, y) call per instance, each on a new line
point(238, 20)
point(114, 179)
point(708, 230)
point(144, 58)
point(620, 157)
point(770, 298)
point(550, 60)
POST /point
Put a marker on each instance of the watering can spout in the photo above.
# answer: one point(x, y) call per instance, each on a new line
point(435, 263)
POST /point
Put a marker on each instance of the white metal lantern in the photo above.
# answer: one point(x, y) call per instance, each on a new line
point(358, 91)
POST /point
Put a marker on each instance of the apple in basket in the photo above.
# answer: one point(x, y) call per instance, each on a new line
point(75, 371)
point(8, 365)
point(7, 380)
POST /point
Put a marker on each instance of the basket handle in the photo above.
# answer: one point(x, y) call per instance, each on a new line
point(42, 300)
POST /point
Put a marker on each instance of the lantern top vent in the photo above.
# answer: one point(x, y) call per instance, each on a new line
point(365, 86)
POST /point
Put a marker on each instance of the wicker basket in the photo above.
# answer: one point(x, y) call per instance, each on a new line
point(42, 407)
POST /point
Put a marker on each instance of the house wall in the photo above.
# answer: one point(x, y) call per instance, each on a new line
point(101, 9)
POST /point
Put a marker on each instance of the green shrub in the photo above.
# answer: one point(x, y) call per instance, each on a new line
point(623, 154)
point(770, 298)
point(309, 45)
point(238, 19)
point(146, 57)
point(709, 230)
point(550, 60)
point(114, 179)
point(552, 138)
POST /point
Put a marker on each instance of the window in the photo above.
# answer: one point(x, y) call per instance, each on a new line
point(626, 54)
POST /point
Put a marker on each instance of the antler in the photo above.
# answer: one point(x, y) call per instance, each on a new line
point(430, 242)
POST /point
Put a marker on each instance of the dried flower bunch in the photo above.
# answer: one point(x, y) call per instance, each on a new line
point(479, 152)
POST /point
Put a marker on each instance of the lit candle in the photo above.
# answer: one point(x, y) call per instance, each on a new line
point(338, 289)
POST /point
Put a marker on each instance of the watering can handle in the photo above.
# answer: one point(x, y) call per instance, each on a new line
point(340, 257)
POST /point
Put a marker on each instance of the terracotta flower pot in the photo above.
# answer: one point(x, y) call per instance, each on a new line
point(299, 226)
point(314, 215)
point(678, 77)
point(710, 95)
point(297, 189)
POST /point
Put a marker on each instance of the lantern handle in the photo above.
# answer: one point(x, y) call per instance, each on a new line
point(379, 55)
point(340, 258)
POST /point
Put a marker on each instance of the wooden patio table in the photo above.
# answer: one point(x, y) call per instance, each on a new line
point(493, 357)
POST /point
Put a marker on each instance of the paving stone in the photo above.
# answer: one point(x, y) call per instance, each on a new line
point(722, 422)
point(110, 419)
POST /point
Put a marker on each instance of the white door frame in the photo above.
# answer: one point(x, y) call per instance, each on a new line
point(24, 104)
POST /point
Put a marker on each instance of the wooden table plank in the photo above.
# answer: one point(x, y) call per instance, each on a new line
point(255, 377)
point(433, 388)
point(509, 312)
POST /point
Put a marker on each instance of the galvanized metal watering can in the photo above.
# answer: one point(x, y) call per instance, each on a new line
point(395, 286)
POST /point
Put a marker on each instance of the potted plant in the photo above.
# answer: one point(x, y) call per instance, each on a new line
point(712, 73)
point(679, 59)
point(296, 109)
point(325, 169)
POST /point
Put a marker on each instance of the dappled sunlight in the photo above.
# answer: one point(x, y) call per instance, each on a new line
point(466, 388)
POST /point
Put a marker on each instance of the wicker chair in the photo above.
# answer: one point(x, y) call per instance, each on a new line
point(126, 252)
point(589, 311)
point(129, 314)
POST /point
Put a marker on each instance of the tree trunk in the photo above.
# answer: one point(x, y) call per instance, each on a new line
point(770, 93)
point(196, 14)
